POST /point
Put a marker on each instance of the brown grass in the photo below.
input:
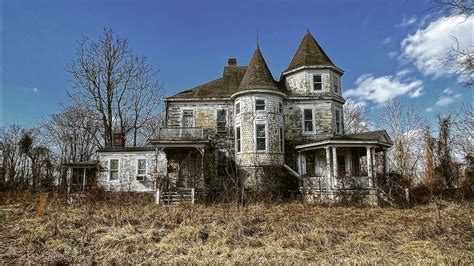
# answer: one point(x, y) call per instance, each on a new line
point(141, 232)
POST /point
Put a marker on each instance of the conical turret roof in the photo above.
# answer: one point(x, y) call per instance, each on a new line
point(309, 53)
point(258, 75)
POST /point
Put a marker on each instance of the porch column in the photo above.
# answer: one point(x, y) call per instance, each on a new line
point(369, 165)
point(385, 165)
point(328, 164)
point(84, 180)
point(298, 162)
point(334, 164)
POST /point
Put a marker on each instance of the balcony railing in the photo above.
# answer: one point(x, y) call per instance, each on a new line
point(184, 133)
point(315, 182)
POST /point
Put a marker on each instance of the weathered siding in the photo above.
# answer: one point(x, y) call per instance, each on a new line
point(128, 170)
point(301, 82)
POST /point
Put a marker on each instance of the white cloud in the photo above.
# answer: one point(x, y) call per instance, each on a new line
point(381, 89)
point(429, 109)
point(447, 97)
point(392, 54)
point(387, 40)
point(35, 89)
point(429, 45)
point(407, 21)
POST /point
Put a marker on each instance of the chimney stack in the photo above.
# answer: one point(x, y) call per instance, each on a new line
point(232, 62)
point(119, 140)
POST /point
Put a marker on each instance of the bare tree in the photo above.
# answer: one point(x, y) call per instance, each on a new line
point(406, 129)
point(356, 117)
point(118, 85)
point(464, 131)
point(454, 7)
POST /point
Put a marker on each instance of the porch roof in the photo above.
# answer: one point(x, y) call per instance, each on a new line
point(379, 138)
point(84, 164)
point(179, 143)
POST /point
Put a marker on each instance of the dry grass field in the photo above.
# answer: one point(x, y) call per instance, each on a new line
point(137, 231)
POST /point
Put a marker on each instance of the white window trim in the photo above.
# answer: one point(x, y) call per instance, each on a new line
point(312, 81)
point(281, 139)
point(312, 118)
point(109, 170)
point(240, 140)
point(194, 116)
point(136, 167)
point(255, 104)
point(240, 108)
point(260, 122)
point(226, 118)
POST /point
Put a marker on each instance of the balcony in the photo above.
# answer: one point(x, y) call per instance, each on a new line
point(180, 137)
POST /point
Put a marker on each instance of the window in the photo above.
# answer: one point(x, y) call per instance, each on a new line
point(259, 105)
point(308, 120)
point(221, 120)
point(338, 121)
point(341, 165)
point(238, 143)
point(282, 139)
point(188, 118)
point(310, 164)
point(221, 163)
point(335, 83)
point(261, 138)
point(317, 83)
point(237, 108)
point(280, 107)
point(113, 169)
point(141, 167)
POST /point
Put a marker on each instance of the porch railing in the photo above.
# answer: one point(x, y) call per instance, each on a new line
point(183, 133)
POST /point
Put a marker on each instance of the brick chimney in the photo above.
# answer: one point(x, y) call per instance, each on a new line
point(119, 140)
point(232, 62)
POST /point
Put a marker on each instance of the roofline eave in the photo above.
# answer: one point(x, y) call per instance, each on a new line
point(253, 91)
point(359, 143)
point(287, 72)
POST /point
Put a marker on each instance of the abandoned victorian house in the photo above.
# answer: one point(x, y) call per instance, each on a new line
point(250, 131)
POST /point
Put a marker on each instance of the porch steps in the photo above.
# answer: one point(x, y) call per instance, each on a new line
point(183, 195)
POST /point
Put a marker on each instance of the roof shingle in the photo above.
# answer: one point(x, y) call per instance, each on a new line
point(258, 75)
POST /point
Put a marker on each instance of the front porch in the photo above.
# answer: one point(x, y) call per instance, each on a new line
point(330, 167)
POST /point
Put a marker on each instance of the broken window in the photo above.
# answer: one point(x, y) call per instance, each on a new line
point(188, 118)
point(259, 105)
point(221, 121)
point(141, 168)
point(308, 120)
point(261, 139)
point(113, 169)
point(335, 83)
point(238, 145)
point(317, 83)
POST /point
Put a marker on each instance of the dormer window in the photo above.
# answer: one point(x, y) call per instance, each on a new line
point(317, 83)
point(259, 105)
point(335, 83)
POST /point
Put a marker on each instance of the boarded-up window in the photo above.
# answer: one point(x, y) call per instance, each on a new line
point(113, 169)
point(261, 137)
point(221, 120)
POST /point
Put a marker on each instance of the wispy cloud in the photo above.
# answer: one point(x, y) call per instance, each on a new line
point(35, 90)
point(429, 110)
point(381, 89)
point(392, 54)
point(407, 21)
point(387, 40)
point(429, 45)
point(447, 97)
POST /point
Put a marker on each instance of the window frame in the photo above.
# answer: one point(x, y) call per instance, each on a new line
point(280, 107)
point(238, 139)
point(320, 82)
point(337, 121)
point(224, 163)
point(137, 165)
point(260, 123)
point(264, 105)
point(281, 140)
point(224, 130)
point(335, 84)
point(189, 113)
point(304, 121)
point(109, 172)
point(237, 108)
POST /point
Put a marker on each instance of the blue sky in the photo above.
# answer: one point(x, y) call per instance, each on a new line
point(386, 48)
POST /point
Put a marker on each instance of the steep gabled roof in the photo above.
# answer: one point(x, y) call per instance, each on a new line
point(258, 75)
point(309, 53)
point(222, 87)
